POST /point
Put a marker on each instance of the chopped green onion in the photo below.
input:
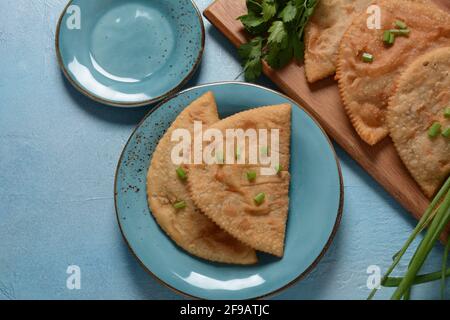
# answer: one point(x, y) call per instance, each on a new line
point(403, 32)
point(251, 175)
point(446, 133)
point(259, 198)
point(391, 38)
point(447, 112)
point(179, 204)
point(434, 130)
point(386, 36)
point(279, 168)
point(367, 57)
point(400, 24)
point(181, 173)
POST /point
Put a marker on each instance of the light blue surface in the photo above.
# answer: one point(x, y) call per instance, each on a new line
point(311, 223)
point(58, 154)
point(130, 52)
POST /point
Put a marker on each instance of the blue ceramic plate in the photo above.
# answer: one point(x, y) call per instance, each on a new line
point(129, 52)
point(316, 198)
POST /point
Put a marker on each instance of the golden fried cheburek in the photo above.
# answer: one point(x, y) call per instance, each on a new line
point(423, 93)
point(366, 87)
point(187, 226)
point(225, 193)
point(324, 32)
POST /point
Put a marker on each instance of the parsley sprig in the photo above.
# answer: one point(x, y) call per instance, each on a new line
point(277, 28)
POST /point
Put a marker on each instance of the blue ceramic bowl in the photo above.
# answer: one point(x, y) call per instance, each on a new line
point(129, 53)
point(316, 199)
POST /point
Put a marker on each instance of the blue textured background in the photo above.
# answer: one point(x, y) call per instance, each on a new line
point(58, 153)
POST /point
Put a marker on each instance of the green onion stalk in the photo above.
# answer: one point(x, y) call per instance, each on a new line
point(392, 282)
point(435, 229)
point(444, 273)
point(435, 218)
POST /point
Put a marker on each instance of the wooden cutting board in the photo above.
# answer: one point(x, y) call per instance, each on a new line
point(323, 101)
